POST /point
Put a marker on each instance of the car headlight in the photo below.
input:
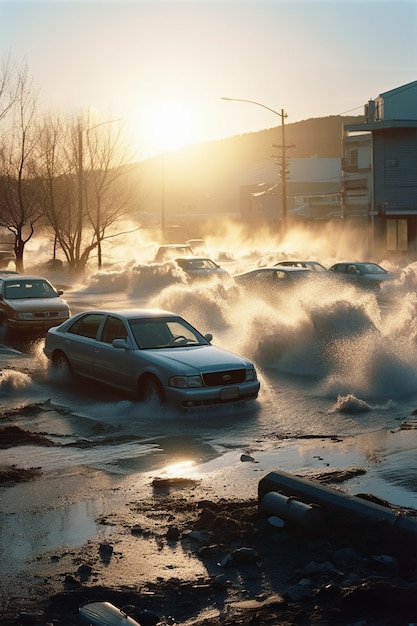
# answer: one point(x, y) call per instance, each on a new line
point(184, 382)
point(251, 374)
point(23, 316)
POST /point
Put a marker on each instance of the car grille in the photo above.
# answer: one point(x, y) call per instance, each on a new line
point(230, 377)
point(46, 314)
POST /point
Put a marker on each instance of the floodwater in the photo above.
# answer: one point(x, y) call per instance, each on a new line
point(338, 371)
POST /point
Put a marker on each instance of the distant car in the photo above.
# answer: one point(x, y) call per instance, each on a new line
point(362, 274)
point(6, 257)
point(30, 302)
point(169, 252)
point(199, 246)
point(155, 355)
point(198, 268)
point(277, 278)
point(311, 265)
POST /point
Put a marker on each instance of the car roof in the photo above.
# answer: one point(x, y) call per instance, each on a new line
point(275, 268)
point(4, 275)
point(130, 313)
point(360, 263)
point(193, 258)
point(174, 246)
point(284, 268)
point(287, 263)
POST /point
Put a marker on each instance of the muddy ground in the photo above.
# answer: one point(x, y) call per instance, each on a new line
point(239, 567)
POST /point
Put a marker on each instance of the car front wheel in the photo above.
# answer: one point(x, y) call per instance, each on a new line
point(61, 363)
point(152, 391)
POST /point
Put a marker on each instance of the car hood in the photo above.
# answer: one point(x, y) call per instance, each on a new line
point(207, 272)
point(26, 305)
point(379, 277)
point(199, 358)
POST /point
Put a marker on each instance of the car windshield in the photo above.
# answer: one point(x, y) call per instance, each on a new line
point(372, 268)
point(164, 333)
point(198, 264)
point(168, 253)
point(20, 289)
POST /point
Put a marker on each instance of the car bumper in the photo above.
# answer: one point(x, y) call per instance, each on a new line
point(209, 396)
point(34, 324)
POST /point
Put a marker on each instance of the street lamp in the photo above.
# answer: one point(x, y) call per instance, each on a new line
point(282, 115)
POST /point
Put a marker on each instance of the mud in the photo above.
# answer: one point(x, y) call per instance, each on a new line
point(238, 566)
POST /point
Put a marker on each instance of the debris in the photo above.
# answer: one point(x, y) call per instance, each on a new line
point(246, 457)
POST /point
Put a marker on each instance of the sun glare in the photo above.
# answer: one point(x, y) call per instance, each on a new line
point(165, 125)
point(180, 468)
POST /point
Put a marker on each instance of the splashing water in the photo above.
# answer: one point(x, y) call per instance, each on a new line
point(353, 342)
point(11, 381)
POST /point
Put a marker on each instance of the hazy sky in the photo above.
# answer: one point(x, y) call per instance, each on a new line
point(163, 66)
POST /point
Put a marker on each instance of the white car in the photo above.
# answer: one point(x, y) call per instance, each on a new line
point(30, 302)
point(169, 252)
point(201, 267)
point(155, 355)
point(362, 274)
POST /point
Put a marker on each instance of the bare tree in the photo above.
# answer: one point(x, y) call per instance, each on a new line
point(7, 89)
point(86, 190)
point(107, 196)
point(19, 210)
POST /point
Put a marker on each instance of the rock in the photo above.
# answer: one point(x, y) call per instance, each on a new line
point(148, 618)
point(85, 570)
point(173, 533)
point(220, 582)
point(246, 457)
point(194, 534)
point(106, 552)
point(245, 555)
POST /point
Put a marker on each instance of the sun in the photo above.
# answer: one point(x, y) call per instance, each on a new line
point(165, 125)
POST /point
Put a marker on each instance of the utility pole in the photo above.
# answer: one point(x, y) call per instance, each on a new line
point(282, 115)
point(283, 147)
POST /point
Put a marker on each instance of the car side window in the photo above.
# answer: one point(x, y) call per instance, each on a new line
point(87, 326)
point(114, 328)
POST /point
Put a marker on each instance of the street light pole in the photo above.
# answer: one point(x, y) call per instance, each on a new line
point(282, 115)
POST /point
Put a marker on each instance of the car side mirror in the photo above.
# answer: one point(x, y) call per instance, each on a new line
point(120, 343)
point(209, 337)
point(60, 292)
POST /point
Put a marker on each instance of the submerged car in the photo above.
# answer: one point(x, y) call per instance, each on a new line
point(276, 278)
point(6, 257)
point(310, 265)
point(199, 246)
point(170, 251)
point(30, 302)
point(362, 274)
point(155, 355)
point(201, 267)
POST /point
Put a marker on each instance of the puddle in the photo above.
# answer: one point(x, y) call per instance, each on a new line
point(26, 536)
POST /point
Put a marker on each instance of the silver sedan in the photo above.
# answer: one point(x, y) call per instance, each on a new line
point(156, 355)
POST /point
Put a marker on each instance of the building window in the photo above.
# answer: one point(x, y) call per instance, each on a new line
point(397, 234)
point(353, 158)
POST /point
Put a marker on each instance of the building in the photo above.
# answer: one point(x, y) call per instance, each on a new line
point(312, 190)
point(379, 171)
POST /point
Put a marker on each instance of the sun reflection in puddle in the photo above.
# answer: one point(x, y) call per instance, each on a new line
point(180, 469)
